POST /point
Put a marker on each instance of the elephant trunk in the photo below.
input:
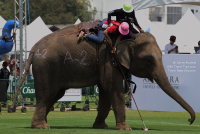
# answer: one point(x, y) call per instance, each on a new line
point(162, 80)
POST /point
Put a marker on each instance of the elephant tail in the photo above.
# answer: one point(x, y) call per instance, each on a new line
point(24, 76)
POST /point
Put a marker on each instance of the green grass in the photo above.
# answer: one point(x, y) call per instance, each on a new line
point(80, 122)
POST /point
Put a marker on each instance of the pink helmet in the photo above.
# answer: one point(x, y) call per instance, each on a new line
point(124, 28)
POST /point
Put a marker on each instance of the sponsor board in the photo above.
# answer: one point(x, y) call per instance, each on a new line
point(28, 91)
point(183, 72)
point(72, 95)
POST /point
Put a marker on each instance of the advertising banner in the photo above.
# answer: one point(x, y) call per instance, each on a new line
point(72, 95)
point(28, 91)
point(183, 72)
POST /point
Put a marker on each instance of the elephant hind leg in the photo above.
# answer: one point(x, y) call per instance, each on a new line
point(43, 106)
point(53, 101)
point(39, 117)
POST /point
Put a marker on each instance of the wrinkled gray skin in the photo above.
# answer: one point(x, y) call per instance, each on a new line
point(60, 63)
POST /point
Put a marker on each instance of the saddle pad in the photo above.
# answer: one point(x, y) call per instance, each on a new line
point(89, 25)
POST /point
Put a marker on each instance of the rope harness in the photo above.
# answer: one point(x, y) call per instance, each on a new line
point(62, 34)
point(57, 36)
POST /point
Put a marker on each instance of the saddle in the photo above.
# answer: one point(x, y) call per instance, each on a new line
point(89, 27)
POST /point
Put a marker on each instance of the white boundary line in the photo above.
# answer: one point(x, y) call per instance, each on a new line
point(166, 123)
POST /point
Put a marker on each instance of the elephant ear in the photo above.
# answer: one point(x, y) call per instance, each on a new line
point(124, 53)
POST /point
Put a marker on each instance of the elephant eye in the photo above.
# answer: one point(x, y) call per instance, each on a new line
point(148, 60)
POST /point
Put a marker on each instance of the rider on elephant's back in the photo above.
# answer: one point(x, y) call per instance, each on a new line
point(126, 14)
point(116, 28)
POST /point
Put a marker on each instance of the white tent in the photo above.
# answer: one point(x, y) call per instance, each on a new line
point(184, 30)
point(155, 30)
point(77, 21)
point(145, 24)
point(141, 4)
point(187, 32)
point(2, 23)
point(35, 31)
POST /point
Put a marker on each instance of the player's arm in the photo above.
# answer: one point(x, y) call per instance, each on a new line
point(135, 22)
point(107, 36)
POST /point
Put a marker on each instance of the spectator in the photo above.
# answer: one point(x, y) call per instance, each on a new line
point(4, 73)
point(171, 48)
point(6, 57)
point(198, 51)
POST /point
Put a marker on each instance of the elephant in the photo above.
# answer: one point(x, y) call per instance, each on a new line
point(59, 62)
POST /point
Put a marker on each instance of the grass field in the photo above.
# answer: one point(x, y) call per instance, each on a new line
point(80, 122)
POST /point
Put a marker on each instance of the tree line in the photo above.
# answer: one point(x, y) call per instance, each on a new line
point(52, 11)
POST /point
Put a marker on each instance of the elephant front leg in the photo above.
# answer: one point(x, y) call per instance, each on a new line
point(118, 104)
point(103, 110)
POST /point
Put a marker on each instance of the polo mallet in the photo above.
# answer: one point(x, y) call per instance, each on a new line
point(145, 129)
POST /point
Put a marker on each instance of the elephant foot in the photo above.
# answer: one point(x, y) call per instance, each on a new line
point(122, 126)
point(41, 125)
point(100, 125)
